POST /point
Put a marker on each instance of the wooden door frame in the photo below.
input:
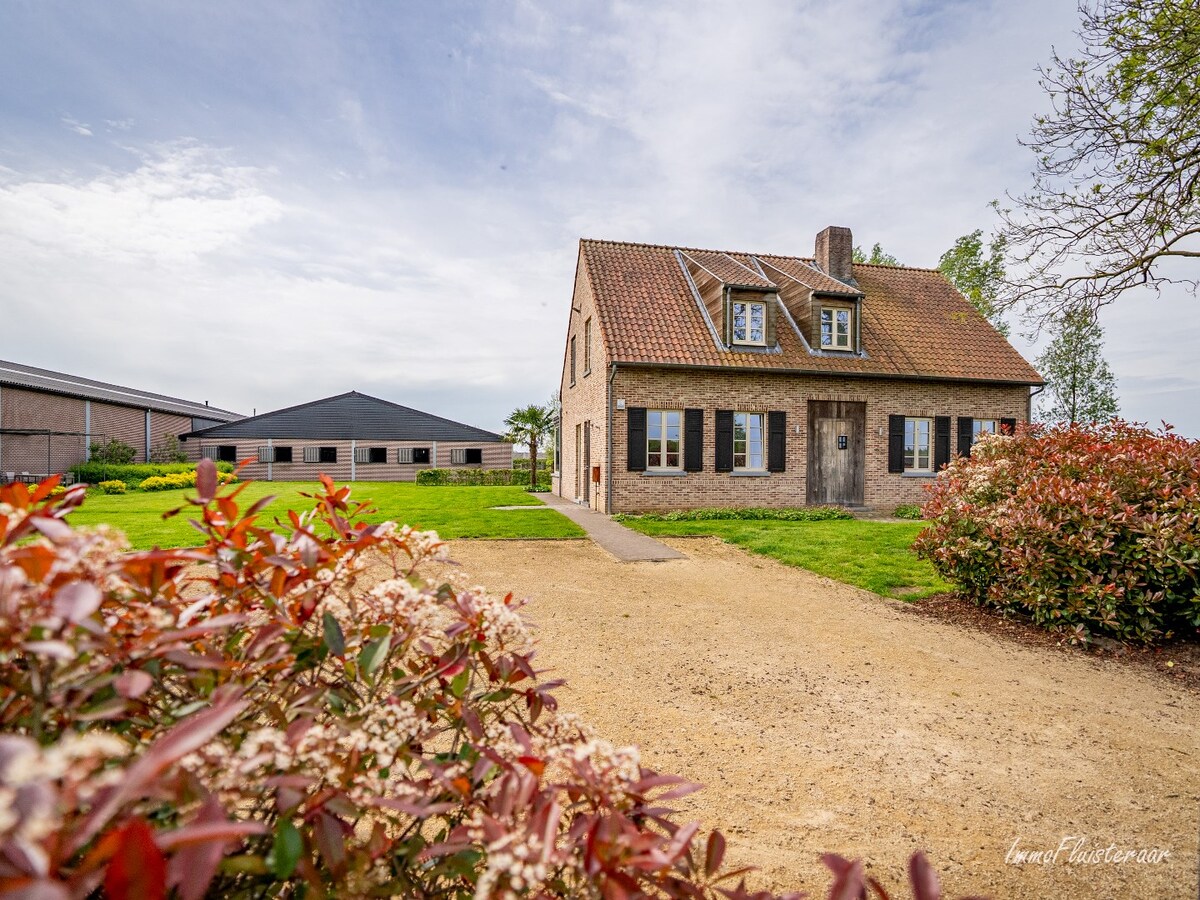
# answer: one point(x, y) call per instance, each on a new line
point(856, 412)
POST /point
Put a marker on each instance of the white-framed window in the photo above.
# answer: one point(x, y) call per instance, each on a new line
point(749, 322)
point(918, 441)
point(837, 328)
point(980, 427)
point(748, 441)
point(664, 439)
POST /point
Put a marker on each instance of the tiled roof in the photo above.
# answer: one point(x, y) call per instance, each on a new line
point(914, 323)
point(349, 416)
point(22, 376)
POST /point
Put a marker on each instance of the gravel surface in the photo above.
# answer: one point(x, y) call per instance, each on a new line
point(824, 718)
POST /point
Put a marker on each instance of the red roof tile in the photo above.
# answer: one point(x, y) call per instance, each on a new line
point(914, 323)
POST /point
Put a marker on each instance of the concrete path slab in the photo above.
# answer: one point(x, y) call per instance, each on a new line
point(623, 543)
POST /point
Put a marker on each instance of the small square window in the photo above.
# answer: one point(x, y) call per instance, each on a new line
point(377, 455)
point(327, 455)
point(837, 328)
point(227, 453)
point(283, 454)
point(420, 455)
point(749, 323)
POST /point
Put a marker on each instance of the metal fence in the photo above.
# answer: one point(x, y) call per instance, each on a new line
point(31, 454)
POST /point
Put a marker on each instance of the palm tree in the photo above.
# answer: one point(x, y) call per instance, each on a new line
point(530, 425)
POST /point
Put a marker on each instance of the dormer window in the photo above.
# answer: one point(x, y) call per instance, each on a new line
point(749, 323)
point(837, 328)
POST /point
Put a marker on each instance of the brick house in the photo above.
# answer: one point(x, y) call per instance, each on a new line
point(350, 437)
point(697, 378)
point(49, 419)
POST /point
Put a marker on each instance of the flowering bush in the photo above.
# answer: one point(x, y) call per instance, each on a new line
point(305, 714)
point(1088, 529)
point(176, 480)
point(112, 487)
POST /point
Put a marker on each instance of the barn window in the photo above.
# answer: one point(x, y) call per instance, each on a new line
point(283, 454)
point(227, 453)
point(466, 456)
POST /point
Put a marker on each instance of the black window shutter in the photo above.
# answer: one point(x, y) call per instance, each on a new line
point(941, 441)
point(895, 443)
point(966, 430)
point(724, 440)
point(1008, 426)
point(776, 441)
point(693, 440)
point(637, 439)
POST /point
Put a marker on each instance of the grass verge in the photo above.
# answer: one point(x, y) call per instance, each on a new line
point(454, 512)
point(870, 555)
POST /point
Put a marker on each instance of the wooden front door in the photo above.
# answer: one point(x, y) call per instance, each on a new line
point(836, 451)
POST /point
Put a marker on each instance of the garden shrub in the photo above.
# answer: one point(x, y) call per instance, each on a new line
point(1087, 529)
point(260, 716)
point(112, 487)
point(116, 452)
point(177, 480)
point(792, 514)
point(94, 472)
point(908, 511)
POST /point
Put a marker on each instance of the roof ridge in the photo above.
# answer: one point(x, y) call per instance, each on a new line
point(807, 259)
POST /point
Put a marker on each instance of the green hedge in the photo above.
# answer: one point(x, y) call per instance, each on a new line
point(791, 514)
point(134, 474)
point(472, 477)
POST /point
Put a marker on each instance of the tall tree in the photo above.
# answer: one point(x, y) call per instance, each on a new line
point(1116, 188)
point(530, 425)
point(877, 256)
point(979, 278)
point(1080, 386)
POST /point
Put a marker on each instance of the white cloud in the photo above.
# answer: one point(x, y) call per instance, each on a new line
point(77, 127)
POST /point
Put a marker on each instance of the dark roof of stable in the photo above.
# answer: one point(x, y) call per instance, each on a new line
point(349, 416)
point(914, 325)
point(31, 378)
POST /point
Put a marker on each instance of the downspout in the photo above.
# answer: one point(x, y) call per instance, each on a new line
point(1029, 402)
point(608, 475)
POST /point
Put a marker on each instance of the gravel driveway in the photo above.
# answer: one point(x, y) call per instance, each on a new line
point(824, 718)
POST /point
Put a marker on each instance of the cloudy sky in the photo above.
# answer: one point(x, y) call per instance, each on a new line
point(260, 204)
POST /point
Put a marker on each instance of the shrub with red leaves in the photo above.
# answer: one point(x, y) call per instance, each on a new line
point(270, 715)
point(1088, 529)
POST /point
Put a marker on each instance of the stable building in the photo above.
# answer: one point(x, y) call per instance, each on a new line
point(350, 437)
point(48, 420)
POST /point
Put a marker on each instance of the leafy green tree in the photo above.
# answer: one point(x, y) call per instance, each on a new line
point(978, 277)
point(1080, 385)
point(877, 256)
point(1116, 185)
point(530, 425)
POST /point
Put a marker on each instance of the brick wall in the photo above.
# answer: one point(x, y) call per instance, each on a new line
point(163, 424)
point(763, 392)
point(496, 455)
point(585, 401)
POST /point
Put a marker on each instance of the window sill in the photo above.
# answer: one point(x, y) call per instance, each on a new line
point(737, 474)
point(919, 474)
point(663, 473)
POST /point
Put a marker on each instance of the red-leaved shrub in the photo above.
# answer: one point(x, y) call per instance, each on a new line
point(1089, 529)
point(305, 713)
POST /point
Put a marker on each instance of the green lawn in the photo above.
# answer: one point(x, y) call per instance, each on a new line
point(871, 555)
point(454, 512)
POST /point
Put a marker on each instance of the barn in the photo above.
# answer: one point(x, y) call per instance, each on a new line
point(48, 420)
point(349, 437)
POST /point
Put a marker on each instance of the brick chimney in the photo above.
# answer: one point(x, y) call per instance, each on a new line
point(835, 246)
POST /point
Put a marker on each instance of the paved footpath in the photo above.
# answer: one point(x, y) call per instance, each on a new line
point(624, 543)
